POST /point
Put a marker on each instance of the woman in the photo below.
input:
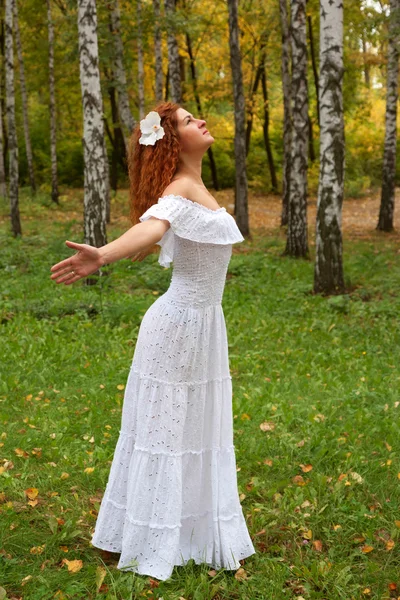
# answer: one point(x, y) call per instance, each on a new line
point(172, 489)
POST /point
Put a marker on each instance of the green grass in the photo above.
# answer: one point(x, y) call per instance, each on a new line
point(323, 372)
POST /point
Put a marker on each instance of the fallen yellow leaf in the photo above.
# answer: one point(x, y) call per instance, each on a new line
point(73, 565)
point(31, 493)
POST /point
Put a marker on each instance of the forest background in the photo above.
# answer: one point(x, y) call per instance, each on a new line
point(364, 85)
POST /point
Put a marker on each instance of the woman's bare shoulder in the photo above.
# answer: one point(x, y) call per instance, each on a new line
point(180, 187)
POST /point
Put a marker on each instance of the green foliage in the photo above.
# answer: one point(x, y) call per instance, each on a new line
point(206, 23)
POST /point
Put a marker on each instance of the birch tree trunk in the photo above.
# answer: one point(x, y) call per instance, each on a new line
point(158, 50)
point(3, 188)
point(53, 129)
point(314, 63)
point(12, 130)
point(328, 273)
point(139, 34)
point(251, 103)
point(173, 53)
point(24, 96)
point(267, 141)
point(241, 187)
point(287, 112)
point(297, 244)
point(385, 221)
point(96, 165)
point(118, 69)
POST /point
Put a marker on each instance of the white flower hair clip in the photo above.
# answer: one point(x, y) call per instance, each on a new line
point(151, 129)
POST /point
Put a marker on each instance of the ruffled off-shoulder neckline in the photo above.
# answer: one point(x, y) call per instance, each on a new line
point(192, 221)
point(212, 210)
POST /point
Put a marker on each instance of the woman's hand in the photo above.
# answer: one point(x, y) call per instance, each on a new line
point(87, 260)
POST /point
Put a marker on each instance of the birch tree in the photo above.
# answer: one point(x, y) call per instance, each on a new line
point(12, 130)
point(53, 128)
point(158, 50)
point(385, 221)
point(139, 33)
point(241, 187)
point(96, 166)
point(24, 95)
point(118, 69)
point(297, 244)
point(3, 189)
point(287, 118)
point(174, 68)
point(328, 273)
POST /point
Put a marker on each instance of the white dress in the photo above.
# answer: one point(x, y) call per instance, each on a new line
point(172, 489)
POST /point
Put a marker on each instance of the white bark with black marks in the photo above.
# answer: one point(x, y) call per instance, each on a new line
point(3, 188)
point(96, 166)
point(118, 69)
point(173, 53)
point(12, 130)
point(28, 145)
point(241, 188)
point(139, 34)
point(297, 244)
point(328, 273)
point(287, 113)
point(53, 125)
point(385, 222)
point(158, 50)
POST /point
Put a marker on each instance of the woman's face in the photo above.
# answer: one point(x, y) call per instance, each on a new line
point(193, 133)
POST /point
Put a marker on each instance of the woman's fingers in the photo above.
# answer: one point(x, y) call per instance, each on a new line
point(61, 271)
point(62, 265)
point(62, 277)
point(74, 244)
point(67, 262)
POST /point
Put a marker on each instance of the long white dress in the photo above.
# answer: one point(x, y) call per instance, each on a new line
point(172, 489)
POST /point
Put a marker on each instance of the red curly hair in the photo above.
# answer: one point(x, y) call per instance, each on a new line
point(151, 168)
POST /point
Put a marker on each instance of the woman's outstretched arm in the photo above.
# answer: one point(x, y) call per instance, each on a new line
point(89, 259)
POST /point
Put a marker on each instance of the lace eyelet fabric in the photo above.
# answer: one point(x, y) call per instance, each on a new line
point(172, 493)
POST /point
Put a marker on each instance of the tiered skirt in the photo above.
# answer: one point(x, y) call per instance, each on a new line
point(172, 492)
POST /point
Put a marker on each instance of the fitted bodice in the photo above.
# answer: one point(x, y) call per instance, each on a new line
point(199, 243)
point(199, 272)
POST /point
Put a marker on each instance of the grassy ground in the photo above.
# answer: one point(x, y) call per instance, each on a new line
point(316, 409)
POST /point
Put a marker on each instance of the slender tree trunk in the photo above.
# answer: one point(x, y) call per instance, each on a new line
point(251, 100)
point(24, 95)
point(96, 164)
point(116, 137)
point(3, 187)
point(271, 164)
point(140, 58)
point(314, 64)
point(53, 126)
point(166, 92)
point(12, 130)
point(118, 70)
point(210, 153)
point(311, 149)
point(328, 273)
point(158, 50)
point(241, 188)
point(297, 244)
point(365, 59)
point(385, 222)
point(106, 175)
point(3, 80)
point(173, 53)
point(287, 111)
